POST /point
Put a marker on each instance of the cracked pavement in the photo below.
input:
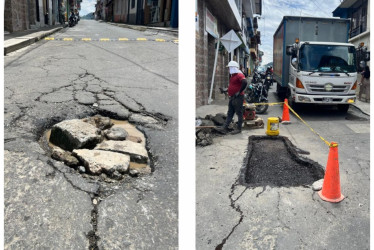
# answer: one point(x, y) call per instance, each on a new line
point(233, 216)
point(49, 205)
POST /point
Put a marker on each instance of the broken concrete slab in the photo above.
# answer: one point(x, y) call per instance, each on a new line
point(58, 96)
point(116, 134)
point(107, 102)
point(75, 134)
point(98, 161)
point(103, 97)
point(137, 152)
point(116, 110)
point(86, 98)
point(99, 121)
point(127, 102)
point(65, 156)
point(142, 119)
point(94, 88)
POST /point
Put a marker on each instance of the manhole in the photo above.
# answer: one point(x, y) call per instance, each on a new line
point(99, 146)
point(274, 161)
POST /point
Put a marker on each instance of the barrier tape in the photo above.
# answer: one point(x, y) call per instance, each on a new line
point(323, 139)
point(86, 39)
point(269, 103)
point(282, 103)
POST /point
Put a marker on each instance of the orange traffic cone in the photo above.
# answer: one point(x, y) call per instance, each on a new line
point(331, 183)
point(286, 113)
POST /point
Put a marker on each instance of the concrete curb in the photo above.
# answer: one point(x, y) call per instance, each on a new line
point(360, 110)
point(144, 28)
point(21, 42)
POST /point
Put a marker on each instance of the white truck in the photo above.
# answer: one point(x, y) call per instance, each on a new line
point(313, 63)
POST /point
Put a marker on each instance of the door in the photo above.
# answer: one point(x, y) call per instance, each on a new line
point(139, 12)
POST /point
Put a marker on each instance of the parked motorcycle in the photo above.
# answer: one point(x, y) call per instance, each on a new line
point(268, 81)
point(73, 20)
point(257, 93)
point(256, 77)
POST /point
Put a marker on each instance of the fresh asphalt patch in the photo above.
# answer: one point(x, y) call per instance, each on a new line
point(275, 161)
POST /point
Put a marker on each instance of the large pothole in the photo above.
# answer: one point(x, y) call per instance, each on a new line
point(100, 147)
point(275, 161)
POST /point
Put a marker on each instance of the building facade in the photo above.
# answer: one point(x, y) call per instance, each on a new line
point(162, 13)
point(358, 11)
point(215, 18)
point(31, 14)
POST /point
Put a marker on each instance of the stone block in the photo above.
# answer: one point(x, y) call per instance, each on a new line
point(99, 161)
point(75, 134)
point(116, 134)
point(137, 152)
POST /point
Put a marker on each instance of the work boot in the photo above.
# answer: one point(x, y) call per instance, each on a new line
point(236, 131)
point(223, 130)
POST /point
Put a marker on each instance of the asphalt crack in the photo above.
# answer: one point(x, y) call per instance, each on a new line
point(237, 209)
point(92, 235)
point(320, 203)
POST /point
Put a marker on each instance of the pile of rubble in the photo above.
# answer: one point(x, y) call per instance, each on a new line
point(207, 128)
point(98, 146)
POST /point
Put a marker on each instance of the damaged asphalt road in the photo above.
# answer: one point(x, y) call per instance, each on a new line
point(49, 205)
point(234, 215)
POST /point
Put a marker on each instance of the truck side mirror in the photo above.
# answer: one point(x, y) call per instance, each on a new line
point(289, 50)
point(367, 56)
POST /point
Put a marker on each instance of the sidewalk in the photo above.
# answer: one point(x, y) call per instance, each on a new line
point(20, 39)
point(219, 105)
point(170, 31)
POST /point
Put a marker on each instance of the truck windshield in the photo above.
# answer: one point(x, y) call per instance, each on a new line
point(327, 58)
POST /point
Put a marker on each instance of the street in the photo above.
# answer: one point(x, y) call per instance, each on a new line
point(233, 216)
point(49, 205)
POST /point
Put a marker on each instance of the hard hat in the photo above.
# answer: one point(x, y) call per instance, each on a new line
point(233, 64)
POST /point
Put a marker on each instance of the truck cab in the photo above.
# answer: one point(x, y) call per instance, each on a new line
point(322, 73)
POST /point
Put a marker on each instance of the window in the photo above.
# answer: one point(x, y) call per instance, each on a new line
point(132, 4)
point(327, 58)
point(358, 15)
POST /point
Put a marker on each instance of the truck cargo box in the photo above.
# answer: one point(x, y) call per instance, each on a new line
point(306, 29)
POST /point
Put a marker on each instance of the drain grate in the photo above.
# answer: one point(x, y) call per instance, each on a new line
point(274, 161)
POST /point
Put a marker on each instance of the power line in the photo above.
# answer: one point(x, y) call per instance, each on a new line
point(319, 8)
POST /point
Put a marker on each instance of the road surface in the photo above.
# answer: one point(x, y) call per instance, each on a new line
point(51, 206)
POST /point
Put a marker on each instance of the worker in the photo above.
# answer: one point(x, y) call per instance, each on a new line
point(235, 90)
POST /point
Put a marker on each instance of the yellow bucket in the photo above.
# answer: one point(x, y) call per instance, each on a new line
point(273, 126)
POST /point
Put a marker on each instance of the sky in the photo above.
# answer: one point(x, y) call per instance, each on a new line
point(87, 6)
point(273, 12)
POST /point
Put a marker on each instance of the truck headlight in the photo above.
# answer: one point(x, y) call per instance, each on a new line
point(304, 99)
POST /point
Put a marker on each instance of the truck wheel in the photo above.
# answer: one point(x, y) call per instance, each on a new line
point(343, 107)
